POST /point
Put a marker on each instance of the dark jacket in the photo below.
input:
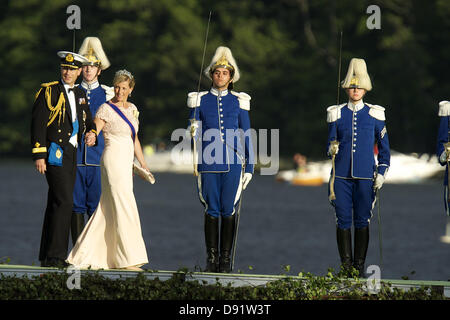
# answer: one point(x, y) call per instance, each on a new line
point(52, 118)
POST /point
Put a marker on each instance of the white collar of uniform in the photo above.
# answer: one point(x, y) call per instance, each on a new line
point(355, 107)
point(216, 92)
point(91, 86)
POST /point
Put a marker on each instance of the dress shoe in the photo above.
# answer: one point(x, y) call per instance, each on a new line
point(54, 263)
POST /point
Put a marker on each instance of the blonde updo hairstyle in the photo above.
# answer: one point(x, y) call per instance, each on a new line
point(124, 75)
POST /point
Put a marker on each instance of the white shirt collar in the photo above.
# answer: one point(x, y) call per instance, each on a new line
point(66, 86)
point(91, 86)
point(355, 107)
point(216, 92)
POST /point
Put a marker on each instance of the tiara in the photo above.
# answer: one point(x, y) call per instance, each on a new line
point(124, 73)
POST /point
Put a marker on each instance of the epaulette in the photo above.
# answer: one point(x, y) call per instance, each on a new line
point(44, 85)
point(193, 101)
point(244, 99)
point(59, 109)
point(334, 112)
point(444, 108)
point(48, 84)
point(109, 92)
point(377, 111)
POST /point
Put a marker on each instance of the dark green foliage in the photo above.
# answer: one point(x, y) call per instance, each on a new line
point(287, 52)
point(93, 286)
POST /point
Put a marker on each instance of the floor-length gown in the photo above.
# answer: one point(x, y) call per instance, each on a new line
point(112, 238)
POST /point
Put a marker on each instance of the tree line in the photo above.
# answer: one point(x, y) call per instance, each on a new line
point(287, 52)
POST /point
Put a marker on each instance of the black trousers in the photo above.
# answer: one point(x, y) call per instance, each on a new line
point(56, 228)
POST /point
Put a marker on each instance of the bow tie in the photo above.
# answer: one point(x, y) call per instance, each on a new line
point(72, 89)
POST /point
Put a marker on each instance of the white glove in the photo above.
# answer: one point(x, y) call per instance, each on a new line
point(193, 128)
point(333, 149)
point(246, 180)
point(443, 157)
point(378, 183)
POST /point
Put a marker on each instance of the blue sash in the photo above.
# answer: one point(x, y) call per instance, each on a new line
point(76, 127)
point(124, 118)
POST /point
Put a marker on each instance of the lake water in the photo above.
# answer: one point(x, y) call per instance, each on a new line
point(280, 225)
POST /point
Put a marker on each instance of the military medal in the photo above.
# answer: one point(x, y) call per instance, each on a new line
point(84, 121)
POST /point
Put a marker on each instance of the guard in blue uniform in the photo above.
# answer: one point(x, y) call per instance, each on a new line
point(443, 145)
point(353, 130)
point(219, 121)
point(87, 190)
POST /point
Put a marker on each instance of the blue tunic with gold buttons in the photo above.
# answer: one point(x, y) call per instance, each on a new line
point(357, 128)
point(225, 145)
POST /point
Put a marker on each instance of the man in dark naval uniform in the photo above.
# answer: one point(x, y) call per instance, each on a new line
point(353, 130)
point(225, 161)
point(87, 190)
point(59, 118)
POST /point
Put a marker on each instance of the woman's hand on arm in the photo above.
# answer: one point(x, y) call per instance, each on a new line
point(90, 137)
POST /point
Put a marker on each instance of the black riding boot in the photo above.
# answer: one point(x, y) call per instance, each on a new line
point(361, 245)
point(77, 225)
point(344, 242)
point(212, 243)
point(226, 242)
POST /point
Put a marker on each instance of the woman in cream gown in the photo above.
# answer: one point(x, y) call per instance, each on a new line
point(112, 238)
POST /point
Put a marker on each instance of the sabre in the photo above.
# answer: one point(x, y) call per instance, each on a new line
point(379, 229)
point(335, 142)
point(238, 216)
point(73, 41)
point(447, 147)
point(194, 153)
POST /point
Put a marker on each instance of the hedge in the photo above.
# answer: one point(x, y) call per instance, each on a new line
point(94, 286)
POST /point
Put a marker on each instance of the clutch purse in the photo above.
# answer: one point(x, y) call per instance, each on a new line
point(144, 174)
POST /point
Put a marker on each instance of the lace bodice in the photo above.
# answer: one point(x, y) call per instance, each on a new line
point(114, 124)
